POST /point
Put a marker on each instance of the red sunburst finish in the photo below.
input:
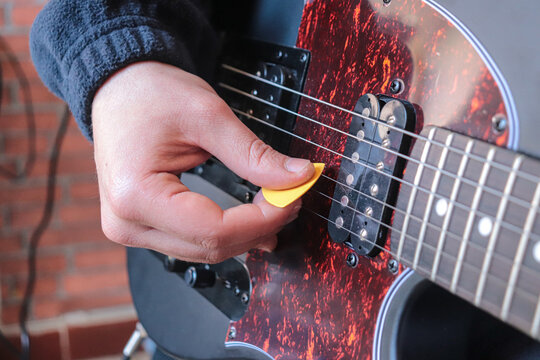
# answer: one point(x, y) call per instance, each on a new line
point(306, 303)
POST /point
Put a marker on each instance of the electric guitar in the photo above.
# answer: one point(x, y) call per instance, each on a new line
point(422, 238)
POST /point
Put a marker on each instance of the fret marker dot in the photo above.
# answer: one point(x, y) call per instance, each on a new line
point(536, 252)
point(485, 226)
point(441, 207)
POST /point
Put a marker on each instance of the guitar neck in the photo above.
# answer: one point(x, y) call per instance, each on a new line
point(467, 218)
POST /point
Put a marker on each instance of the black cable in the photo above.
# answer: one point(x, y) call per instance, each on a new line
point(36, 235)
point(28, 109)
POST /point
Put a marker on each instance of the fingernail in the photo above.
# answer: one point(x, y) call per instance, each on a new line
point(296, 165)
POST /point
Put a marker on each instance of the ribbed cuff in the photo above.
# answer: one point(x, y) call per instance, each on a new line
point(110, 47)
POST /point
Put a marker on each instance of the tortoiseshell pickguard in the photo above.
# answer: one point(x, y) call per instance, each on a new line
point(307, 303)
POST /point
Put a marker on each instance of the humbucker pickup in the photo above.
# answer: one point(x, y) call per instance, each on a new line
point(359, 215)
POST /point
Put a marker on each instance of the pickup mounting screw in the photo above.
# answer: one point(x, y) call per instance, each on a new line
point(393, 266)
point(254, 92)
point(499, 123)
point(396, 86)
point(279, 54)
point(352, 260)
point(385, 142)
point(303, 57)
point(391, 120)
point(244, 298)
point(232, 332)
point(380, 165)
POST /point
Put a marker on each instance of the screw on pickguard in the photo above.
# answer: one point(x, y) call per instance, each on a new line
point(359, 215)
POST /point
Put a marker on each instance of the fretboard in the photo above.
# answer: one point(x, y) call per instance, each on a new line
point(467, 218)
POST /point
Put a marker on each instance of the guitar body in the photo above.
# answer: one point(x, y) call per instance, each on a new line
point(306, 302)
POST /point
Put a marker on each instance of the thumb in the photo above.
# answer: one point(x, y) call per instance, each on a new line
point(250, 158)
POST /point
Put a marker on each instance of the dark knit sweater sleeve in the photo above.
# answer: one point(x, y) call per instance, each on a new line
point(77, 44)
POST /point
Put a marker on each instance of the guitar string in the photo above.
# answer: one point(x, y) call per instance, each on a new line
point(508, 226)
point(457, 237)
point(517, 230)
point(404, 261)
point(495, 254)
point(496, 192)
point(524, 175)
point(478, 271)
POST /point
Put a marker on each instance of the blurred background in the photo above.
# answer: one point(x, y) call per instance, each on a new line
point(81, 306)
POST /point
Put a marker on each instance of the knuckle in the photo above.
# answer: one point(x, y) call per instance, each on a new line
point(259, 153)
point(208, 105)
point(215, 256)
point(211, 243)
point(121, 201)
point(116, 232)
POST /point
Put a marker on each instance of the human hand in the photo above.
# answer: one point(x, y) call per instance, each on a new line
point(153, 121)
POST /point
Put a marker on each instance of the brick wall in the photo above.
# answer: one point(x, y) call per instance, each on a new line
point(78, 268)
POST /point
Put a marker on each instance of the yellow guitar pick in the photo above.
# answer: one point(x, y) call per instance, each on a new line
point(282, 198)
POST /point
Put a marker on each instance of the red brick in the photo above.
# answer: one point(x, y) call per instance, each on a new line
point(13, 287)
point(80, 214)
point(44, 346)
point(45, 264)
point(19, 121)
point(45, 308)
point(39, 94)
point(17, 43)
point(17, 145)
point(74, 165)
point(84, 190)
point(75, 142)
point(10, 72)
point(77, 164)
point(26, 218)
point(10, 243)
point(74, 235)
point(115, 255)
point(94, 283)
point(27, 194)
point(10, 313)
point(24, 15)
point(99, 340)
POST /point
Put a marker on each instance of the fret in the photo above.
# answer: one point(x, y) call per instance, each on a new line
point(520, 253)
point(470, 220)
point(416, 181)
point(453, 197)
point(495, 230)
point(429, 206)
